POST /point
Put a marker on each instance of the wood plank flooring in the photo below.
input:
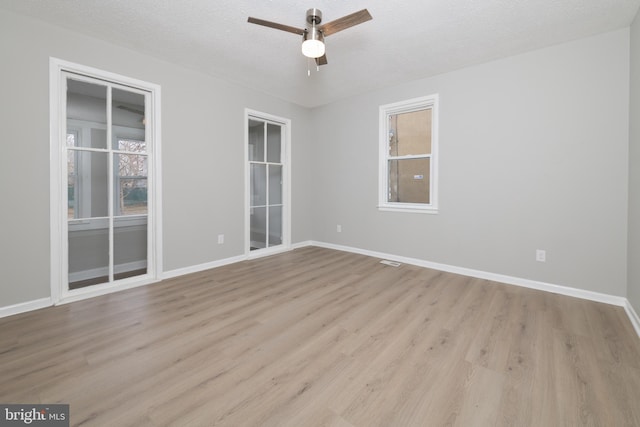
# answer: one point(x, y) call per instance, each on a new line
point(317, 337)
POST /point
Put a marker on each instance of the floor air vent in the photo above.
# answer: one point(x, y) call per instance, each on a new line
point(391, 263)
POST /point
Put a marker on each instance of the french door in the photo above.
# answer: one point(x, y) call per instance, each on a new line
point(267, 149)
point(107, 180)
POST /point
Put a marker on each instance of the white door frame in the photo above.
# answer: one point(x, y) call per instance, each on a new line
point(60, 292)
point(286, 185)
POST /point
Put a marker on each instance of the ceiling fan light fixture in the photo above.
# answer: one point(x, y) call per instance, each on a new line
point(313, 43)
point(313, 35)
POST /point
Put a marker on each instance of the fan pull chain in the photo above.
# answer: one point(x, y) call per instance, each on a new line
point(309, 67)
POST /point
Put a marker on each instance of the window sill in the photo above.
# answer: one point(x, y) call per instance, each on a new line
point(408, 207)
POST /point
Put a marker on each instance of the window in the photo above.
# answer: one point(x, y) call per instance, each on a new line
point(130, 186)
point(267, 183)
point(130, 171)
point(105, 182)
point(408, 155)
point(107, 216)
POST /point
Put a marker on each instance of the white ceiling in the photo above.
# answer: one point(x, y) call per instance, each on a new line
point(406, 40)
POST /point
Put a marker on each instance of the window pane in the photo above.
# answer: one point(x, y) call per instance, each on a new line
point(274, 143)
point(87, 185)
point(258, 228)
point(72, 138)
point(409, 181)
point(258, 185)
point(410, 133)
point(130, 186)
point(130, 145)
point(128, 110)
point(275, 225)
point(88, 102)
point(130, 247)
point(275, 184)
point(89, 253)
point(256, 141)
point(98, 138)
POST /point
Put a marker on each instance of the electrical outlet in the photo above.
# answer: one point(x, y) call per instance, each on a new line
point(541, 255)
point(220, 239)
point(339, 228)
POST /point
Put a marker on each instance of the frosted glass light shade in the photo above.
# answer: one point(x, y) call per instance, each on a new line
point(312, 48)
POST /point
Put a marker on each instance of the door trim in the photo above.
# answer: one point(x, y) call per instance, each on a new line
point(286, 186)
point(58, 239)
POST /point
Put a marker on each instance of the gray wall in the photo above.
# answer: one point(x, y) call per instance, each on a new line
point(533, 156)
point(633, 292)
point(202, 143)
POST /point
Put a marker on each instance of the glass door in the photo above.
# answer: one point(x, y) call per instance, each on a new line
point(107, 165)
point(266, 168)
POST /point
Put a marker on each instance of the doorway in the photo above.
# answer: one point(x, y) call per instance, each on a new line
point(267, 157)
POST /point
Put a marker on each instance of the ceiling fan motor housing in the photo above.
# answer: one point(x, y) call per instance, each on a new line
point(314, 16)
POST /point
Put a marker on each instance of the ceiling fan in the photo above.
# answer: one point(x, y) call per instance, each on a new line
point(313, 35)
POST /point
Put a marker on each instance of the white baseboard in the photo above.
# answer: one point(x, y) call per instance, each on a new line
point(232, 260)
point(633, 317)
point(201, 267)
point(510, 280)
point(23, 307)
point(516, 281)
point(302, 244)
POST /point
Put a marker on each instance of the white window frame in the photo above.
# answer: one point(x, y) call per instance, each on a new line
point(408, 106)
point(58, 209)
point(285, 123)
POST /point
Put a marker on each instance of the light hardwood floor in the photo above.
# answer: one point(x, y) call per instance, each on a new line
point(316, 337)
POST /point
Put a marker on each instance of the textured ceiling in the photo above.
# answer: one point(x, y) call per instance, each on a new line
point(406, 40)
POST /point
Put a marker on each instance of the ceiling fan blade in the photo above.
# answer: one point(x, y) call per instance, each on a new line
point(345, 22)
point(322, 60)
point(277, 26)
